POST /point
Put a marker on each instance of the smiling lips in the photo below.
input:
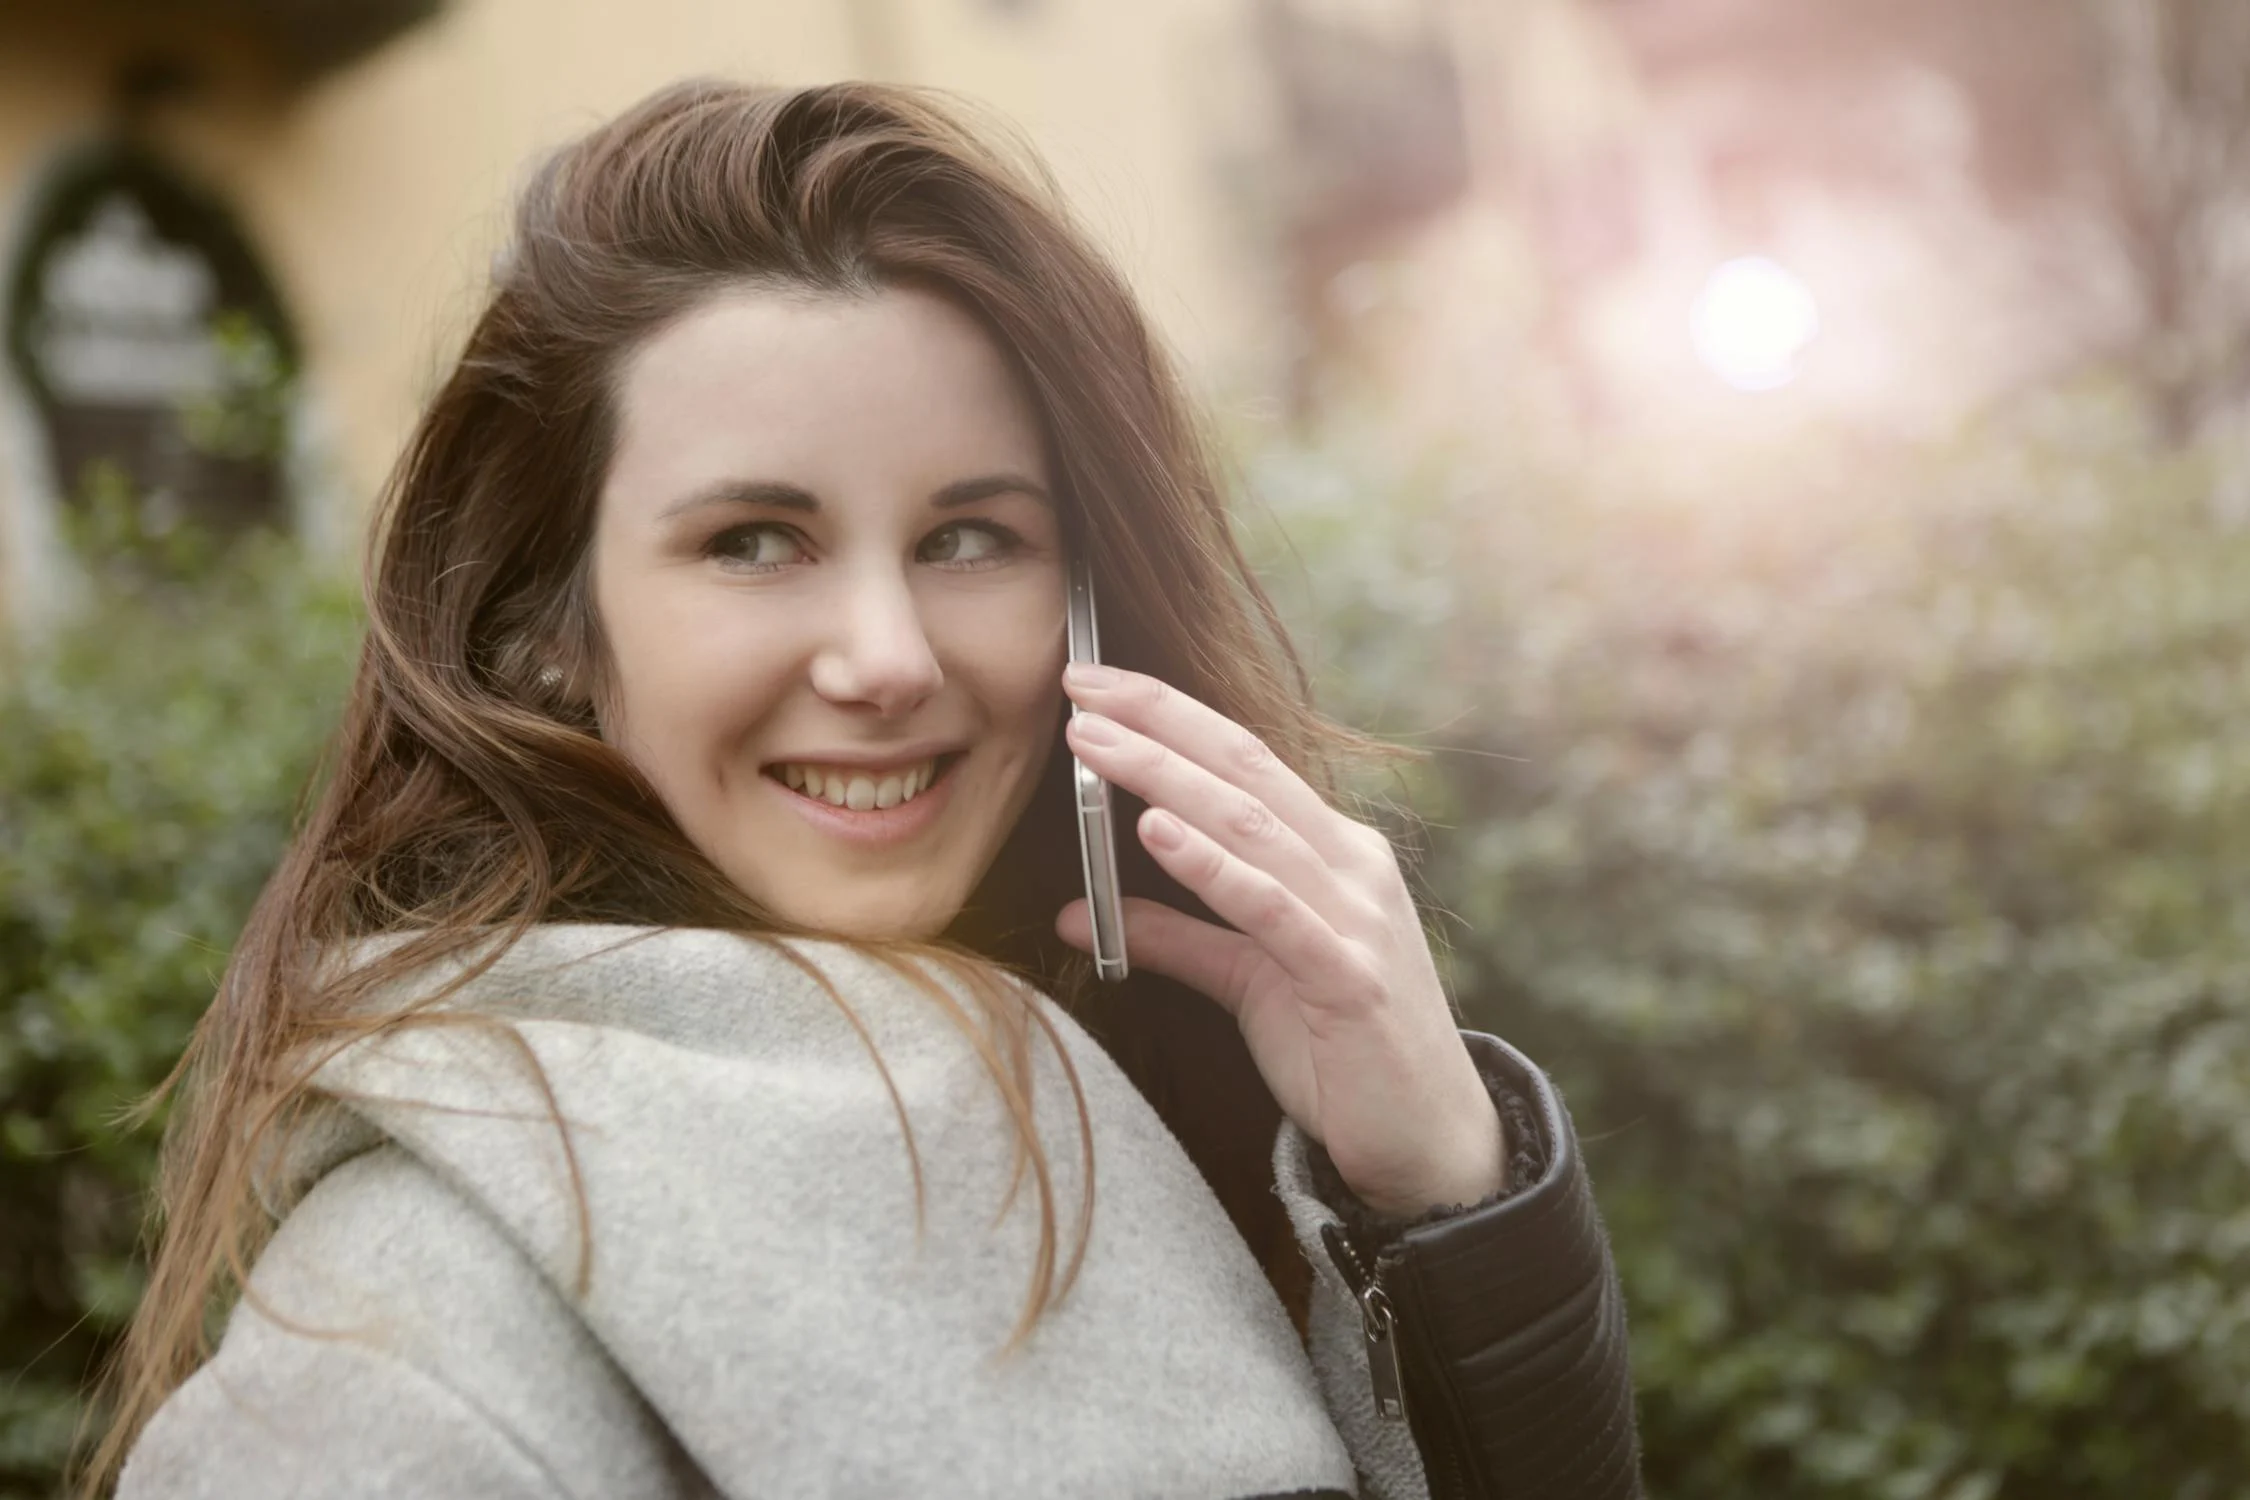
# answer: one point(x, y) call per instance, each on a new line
point(868, 804)
point(856, 788)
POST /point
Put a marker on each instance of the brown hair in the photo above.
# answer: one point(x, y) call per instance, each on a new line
point(466, 799)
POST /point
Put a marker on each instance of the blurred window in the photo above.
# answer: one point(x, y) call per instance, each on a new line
point(152, 344)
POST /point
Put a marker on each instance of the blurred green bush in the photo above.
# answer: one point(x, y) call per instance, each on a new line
point(1860, 835)
point(152, 751)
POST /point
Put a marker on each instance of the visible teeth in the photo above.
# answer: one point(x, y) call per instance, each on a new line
point(858, 791)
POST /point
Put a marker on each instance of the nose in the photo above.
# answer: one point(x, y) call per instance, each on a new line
point(876, 652)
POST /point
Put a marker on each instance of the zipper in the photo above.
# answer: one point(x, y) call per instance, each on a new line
point(1377, 1322)
point(1386, 1363)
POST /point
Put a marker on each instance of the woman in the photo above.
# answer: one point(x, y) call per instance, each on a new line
point(696, 845)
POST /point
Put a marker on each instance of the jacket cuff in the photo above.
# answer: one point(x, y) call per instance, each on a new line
point(1521, 1307)
point(1511, 1309)
point(1529, 1153)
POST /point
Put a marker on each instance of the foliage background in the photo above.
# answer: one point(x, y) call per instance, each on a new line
point(1854, 829)
point(151, 757)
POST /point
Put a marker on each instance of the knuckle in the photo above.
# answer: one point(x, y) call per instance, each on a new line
point(1252, 753)
point(1193, 849)
point(1252, 820)
point(1153, 693)
point(1271, 906)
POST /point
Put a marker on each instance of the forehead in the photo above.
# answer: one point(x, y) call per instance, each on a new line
point(840, 395)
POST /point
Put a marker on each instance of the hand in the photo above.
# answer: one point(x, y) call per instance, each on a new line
point(1325, 968)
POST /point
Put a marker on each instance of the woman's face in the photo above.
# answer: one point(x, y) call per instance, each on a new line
point(830, 574)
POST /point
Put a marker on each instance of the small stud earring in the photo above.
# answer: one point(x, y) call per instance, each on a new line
point(550, 678)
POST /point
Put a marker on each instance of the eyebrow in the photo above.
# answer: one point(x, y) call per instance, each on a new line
point(780, 496)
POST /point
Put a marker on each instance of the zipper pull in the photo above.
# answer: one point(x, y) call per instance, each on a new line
point(1377, 1322)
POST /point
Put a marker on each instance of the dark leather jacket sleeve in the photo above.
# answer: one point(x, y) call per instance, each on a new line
point(1510, 1322)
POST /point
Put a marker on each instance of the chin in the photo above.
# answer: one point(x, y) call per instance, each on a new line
point(901, 915)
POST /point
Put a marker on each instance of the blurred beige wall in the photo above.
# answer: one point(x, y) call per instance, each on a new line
point(377, 196)
point(384, 195)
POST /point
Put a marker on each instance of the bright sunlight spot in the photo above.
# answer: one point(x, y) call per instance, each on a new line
point(1751, 321)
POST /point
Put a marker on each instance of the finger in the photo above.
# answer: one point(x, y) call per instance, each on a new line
point(1164, 940)
point(1237, 820)
point(1207, 738)
point(1287, 932)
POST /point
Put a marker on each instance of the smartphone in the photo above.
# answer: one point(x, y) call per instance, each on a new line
point(1097, 829)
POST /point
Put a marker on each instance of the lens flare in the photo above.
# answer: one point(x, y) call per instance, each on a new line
point(1751, 321)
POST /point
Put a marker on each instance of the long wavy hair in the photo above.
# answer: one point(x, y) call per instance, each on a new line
point(465, 799)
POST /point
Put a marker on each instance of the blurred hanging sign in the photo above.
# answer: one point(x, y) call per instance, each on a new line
point(123, 318)
point(151, 342)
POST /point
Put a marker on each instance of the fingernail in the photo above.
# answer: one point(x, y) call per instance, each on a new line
point(1160, 830)
point(1084, 674)
point(1094, 729)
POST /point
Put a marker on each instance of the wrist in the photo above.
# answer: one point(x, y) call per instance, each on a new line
point(1472, 1167)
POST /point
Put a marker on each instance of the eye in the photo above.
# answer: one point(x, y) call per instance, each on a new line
point(759, 547)
point(970, 544)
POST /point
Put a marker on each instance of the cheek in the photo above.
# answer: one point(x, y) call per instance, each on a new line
point(1009, 655)
point(1033, 682)
point(687, 671)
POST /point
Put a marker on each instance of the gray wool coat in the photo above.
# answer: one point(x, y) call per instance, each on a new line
point(759, 1316)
